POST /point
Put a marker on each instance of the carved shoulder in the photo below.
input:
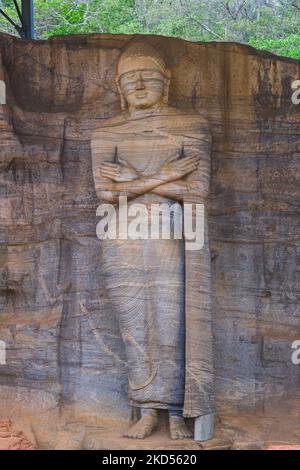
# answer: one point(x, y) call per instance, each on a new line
point(187, 119)
point(107, 125)
point(102, 139)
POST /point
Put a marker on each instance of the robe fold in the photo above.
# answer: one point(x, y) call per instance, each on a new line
point(160, 291)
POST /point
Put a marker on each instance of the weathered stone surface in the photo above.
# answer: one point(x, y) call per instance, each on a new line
point(11, 439)
point(283, 447)
point(64, 355)
point(276, 425)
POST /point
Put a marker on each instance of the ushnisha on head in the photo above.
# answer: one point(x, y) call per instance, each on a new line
point(142, 77)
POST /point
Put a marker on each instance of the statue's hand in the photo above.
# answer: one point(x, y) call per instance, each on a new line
point(119, 172)
point(175, 168)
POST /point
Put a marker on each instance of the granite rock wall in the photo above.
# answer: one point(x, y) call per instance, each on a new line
point(63, 346)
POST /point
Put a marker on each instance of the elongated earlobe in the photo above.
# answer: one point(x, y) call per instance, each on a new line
point(167, 87)
point(123, 102)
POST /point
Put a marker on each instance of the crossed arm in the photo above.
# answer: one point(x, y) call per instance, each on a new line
point(122, 179)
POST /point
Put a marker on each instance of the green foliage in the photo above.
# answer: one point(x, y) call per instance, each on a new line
point(289, 46)
point(265, 24)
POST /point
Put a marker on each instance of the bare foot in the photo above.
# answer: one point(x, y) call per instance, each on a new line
point(178, 428)
point(144, 427)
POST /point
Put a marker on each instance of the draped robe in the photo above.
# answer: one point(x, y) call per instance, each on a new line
point(160, 291)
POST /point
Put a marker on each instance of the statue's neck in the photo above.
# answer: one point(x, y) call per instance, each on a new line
point(145, 112)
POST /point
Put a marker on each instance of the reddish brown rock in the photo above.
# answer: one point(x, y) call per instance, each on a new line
point(11, 439)
point(63, 348)
point(283, 447)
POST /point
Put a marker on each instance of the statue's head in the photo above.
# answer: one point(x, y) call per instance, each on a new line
point(142, 77)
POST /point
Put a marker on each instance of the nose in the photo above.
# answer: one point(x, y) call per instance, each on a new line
point(140, 83)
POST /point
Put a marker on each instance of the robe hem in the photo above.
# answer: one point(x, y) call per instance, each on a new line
point(155, 405)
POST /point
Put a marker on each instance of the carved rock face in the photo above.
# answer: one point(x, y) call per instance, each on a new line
point(62, 341)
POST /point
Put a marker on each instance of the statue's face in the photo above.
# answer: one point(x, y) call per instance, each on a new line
point(142, 84)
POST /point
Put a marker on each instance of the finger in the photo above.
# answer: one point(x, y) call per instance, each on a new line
point(110, 174)
point(187, 172)
point(197, 155)
point(107, 177)
point(189, 165)
point(172, 159)
point(187, 162)
point(108, 165)
point(189, 168)
point(192, 165)
point(109, 168)
point(190, 160)
point(190, 157)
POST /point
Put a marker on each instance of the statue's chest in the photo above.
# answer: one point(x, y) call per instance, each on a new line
point(147, 148)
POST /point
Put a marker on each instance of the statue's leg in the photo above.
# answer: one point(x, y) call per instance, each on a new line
point(204, 427)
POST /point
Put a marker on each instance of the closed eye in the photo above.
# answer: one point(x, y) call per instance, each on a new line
point(131, 75)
